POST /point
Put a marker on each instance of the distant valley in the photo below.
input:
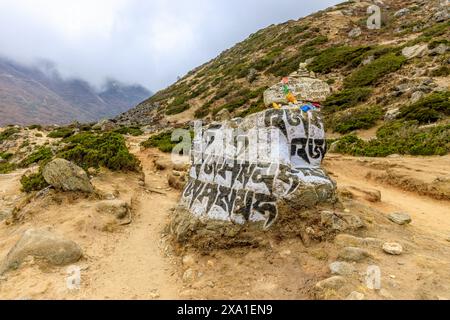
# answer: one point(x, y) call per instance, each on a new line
point(30, 95)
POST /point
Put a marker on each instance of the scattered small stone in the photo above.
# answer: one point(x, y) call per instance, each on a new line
point(118, 208)
point(401, 12)
point(188, 260)
point(355, 33)
point(416, 51)
point(154, 294)
point(333, 221)
point(386, 294)
point(348, 240)
point(368, 60)
point(416, 96)
point(441, 16)
point(400, 218)
point(372, 195)
point(335, 283)
point(353, 254)
point(354, 222)
point(393, 248)
point(355, 295)
point(341, 268)
point(188, 276)
point(285, 253)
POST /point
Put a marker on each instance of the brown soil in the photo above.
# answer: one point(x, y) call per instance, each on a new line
point(139, 261)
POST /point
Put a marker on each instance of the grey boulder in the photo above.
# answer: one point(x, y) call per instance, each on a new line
point(43, 245)
point(66, 176)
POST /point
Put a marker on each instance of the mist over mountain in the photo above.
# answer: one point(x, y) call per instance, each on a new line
point(39, 94)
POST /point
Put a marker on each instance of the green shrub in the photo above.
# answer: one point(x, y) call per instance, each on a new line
point(336, 57)
point(290, 64)
point(43, 154)
point(443, 71)
point(162, 141)
point(34, 182)
point(38, 135)
point(399, 137)
point(7, 167)
point(8, 133)
point(360, 118)
point(254, 108)
point(63, 132)
point(171, 110)
point(35, 126)
point(345, 99)
point(6, 155)
point(428, 109)
point(25, 144)
point(134, 131)
point(371, 73)
point(92, 150)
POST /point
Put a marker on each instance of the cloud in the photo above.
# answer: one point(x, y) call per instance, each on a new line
point(135, 41)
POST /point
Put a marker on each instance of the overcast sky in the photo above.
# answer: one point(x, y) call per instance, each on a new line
point(149, 42)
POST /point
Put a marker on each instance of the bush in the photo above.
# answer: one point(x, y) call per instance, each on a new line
point(399, 137)
point(134, 131)
point(6, 155)
point(61, 133)
point(34, 182)
point(8, 133)
point(371, 73)
point(254, 108)
point(35, 126)
point(336, 57)
point(361, 118)
point(345, 99)
point(289, 65)
point(171, 110)
point(7, 167)
point(442, 71)
point(162, 141)
point(428, 109)
point(43, 154)
point(107, 150)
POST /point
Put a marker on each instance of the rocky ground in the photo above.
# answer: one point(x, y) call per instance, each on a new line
point(127, 254)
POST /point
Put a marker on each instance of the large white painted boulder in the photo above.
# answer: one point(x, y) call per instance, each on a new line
point(253, 175)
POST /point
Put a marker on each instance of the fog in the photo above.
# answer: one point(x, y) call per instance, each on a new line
point(135, 41)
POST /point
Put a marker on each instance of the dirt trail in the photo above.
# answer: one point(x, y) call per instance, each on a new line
point(428, 214)
point(138, 267)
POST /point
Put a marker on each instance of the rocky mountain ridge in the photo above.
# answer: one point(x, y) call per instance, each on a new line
point(29, 95)
point(374, 73)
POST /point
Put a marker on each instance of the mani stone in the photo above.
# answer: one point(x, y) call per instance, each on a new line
point(400, 218)
point(44, 245)
point(302, 84)
point(66, 176)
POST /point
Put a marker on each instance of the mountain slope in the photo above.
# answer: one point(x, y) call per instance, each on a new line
point(30, 95)
point(368, 73)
